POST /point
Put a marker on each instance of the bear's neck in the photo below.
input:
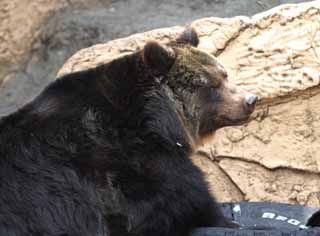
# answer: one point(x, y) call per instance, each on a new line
point(183, 100)
point(139, 98)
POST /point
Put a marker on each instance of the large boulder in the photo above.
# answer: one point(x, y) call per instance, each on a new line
point(275, 54)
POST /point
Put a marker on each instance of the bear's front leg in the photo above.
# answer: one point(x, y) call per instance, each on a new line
point(150, 207)
point(170, 209)
point(174, 218)
point(160, 223)
point(212, 216)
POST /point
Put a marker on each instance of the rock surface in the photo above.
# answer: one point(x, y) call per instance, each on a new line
point(275, 54)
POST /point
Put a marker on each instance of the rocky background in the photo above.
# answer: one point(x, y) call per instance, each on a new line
point(275, 54)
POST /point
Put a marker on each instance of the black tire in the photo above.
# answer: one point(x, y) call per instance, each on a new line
point(264, 219)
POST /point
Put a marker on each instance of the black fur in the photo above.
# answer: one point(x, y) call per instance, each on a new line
point(101, 152)
point(314, 220)
point(158, 57)
point(189, 36)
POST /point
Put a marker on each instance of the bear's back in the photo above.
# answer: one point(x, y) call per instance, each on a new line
point(41, 193)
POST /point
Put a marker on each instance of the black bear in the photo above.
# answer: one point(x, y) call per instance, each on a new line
point(106, 151)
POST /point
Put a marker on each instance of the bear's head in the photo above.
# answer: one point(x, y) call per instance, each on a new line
point(198, 85)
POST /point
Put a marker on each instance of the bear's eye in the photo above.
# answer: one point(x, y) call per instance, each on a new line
point(214, 95)
point(225, 75)
point(211, 73)
point(216, 82)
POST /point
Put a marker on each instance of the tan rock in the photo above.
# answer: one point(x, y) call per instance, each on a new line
point(281, 185)
point(220, 183)
point(288, 137)
point(21, 22)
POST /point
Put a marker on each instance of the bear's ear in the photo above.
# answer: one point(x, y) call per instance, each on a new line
point(189, 36)
point(158, 57)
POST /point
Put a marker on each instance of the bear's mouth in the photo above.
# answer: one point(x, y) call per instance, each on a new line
point(236, 121)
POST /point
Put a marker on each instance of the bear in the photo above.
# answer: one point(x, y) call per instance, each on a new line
point(106, 151)
point(314, 220)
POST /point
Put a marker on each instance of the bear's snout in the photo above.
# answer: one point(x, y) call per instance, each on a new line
point(250, 101)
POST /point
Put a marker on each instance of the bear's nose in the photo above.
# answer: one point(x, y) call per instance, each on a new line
point(251, 101)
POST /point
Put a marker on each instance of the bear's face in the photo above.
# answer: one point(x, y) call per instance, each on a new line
point(211, 98)
point(199, 86)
